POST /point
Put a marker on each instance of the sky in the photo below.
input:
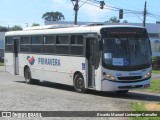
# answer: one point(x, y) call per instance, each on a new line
point(23, 12)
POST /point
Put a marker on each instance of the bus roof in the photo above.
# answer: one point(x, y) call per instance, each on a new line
point(66, 30)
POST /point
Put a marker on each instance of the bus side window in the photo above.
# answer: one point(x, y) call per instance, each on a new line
point(77, 47)
point(48, 44)
point(9, 44)
point(25, 44)
point(36, 42)
point(62, 44)
point(77, 39)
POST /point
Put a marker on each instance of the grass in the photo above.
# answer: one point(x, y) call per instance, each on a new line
point(1, 64)
point(140, 106)
point(155, 86)
point(156, 71)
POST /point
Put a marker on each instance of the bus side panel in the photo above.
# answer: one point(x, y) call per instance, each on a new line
point(22, 63)
point(9, 63)
point(63, 70)
point(58, 69)
point(31, 61)
point(98, 79)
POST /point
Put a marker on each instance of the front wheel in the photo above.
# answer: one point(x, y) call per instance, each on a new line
point(79, 84)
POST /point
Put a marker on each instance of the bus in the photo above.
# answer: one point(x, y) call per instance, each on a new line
point(104, 57)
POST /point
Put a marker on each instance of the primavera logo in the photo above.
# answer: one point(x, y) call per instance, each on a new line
point(31, 60)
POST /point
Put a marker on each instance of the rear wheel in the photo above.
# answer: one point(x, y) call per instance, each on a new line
point(79, 84)
point(27, 76)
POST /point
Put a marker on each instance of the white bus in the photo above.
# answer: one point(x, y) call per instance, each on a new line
point(103, 58)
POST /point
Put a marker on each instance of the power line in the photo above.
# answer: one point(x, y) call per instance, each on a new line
point(116, 8)
point(96, 3)
point(92, 3)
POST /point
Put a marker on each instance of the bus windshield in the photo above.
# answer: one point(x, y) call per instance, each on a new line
point(126, 52)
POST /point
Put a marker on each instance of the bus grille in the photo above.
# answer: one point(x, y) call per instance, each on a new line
point(129, 87)
point(130, 78)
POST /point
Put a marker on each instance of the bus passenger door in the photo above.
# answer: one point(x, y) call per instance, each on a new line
point(91, 49)
point(15, 51)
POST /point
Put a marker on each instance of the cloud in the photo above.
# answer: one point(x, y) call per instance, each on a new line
point(93, 13)
point(86, 12)
point(62, 5)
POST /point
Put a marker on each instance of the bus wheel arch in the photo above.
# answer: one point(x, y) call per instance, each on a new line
point(78, 82)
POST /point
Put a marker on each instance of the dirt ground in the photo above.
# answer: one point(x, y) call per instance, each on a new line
point(152, 107)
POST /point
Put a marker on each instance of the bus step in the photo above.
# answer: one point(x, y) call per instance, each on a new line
point(91, 87)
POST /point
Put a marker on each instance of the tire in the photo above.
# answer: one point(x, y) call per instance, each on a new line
point(79, 83)
point(27, 76)
point(122, 91)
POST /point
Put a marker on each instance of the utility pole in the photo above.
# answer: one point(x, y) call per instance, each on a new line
point(26, 24)
point(76, 7)
point(144, 14)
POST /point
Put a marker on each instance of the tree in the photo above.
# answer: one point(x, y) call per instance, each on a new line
point(114, 20)
point(155, 62)
point(3, 29)
point(15, 28)
point(125, 21)
point(35, 24)
point(53, 16)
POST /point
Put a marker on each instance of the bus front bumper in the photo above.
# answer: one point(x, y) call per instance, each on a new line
point(107, 85)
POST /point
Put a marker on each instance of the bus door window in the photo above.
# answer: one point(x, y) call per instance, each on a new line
point(89, 56)
point(16, 46)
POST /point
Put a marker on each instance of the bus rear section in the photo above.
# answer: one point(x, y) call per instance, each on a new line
point(11, 55)
point(126, 59)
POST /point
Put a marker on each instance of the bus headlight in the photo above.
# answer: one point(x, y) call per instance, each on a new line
point(148, 75)
point(109, 77)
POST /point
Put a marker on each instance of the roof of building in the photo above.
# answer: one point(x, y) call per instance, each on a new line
point(151, 27)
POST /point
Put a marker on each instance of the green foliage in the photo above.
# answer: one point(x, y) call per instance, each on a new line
point(155, 86)
point(156, 63)
point(15, 28)
point(1, 63)
point(125, 21)
point(115, 20)
point(156, 71)
point(35, 24)
point(53, 16)
point(3, 29)
point(140, 106)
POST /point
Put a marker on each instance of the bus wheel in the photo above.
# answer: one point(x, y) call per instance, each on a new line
point(27, 76)
point(122, 91)
point(79, 83)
